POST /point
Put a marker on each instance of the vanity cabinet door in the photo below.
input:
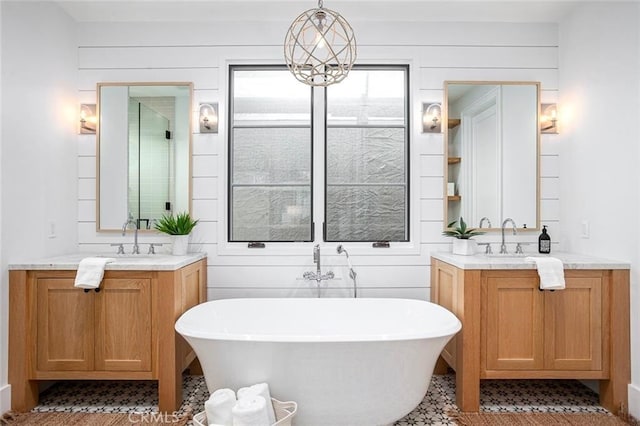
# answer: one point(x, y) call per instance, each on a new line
point(123, 325)
point(573, 324)
point(65, 326)
point(513, 322)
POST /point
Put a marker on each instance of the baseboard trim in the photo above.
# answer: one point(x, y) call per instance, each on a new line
point(634, 401)
point(5, 399)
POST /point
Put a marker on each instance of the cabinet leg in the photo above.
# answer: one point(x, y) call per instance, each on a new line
point(169, 394)
point(467, 393)
point(24, 395)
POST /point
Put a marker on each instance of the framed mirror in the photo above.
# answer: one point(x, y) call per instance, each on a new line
point(492, 153)
point(143, 152)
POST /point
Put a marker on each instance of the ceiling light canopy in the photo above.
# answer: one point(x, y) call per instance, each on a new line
point(320, 47)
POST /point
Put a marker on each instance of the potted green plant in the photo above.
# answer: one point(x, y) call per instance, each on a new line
point(178, 226)
point(462, 244)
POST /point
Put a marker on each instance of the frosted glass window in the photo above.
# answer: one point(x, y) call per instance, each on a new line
point(363, 132)
point(367, 156)
point(270, 149)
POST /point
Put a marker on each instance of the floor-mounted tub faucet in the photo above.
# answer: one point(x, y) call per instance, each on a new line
point(503, 246)
point(317, 276)
point(131, 221)
point(352, 273)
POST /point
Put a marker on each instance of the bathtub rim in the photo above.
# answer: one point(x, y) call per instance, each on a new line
point(450, 328)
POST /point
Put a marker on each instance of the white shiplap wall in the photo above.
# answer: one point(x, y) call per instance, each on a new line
point(200, 53)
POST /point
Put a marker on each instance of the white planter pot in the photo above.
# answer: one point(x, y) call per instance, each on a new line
point(465, 247)
point(179, 244)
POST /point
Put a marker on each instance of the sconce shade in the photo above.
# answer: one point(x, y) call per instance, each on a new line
point(431, 118)
point(208, 117)
point(320, 47)
point(88, 119)
point(549, 118)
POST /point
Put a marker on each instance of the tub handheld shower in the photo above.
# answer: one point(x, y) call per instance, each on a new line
point(352, 272)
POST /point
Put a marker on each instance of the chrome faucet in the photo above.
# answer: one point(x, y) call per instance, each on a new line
point(503, 246)
point(483, 220)
point(131, 221)
point(317, 276)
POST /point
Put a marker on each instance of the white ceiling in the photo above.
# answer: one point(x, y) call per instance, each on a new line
point(285, 10)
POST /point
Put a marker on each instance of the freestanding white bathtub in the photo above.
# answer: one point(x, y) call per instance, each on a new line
point(360, 362)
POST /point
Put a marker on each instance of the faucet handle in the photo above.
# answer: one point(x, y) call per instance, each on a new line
point(152, 247)
point(120, 248)
point(487, 249)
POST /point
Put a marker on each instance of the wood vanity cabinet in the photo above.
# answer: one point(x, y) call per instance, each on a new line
point(123, 331)
point(513, 330)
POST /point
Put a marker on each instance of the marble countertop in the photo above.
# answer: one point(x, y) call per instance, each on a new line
point(128, 262)
point(570, 261)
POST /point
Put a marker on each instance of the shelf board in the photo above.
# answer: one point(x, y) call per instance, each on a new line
point(453, 122)
point(453, 160)
point(454, 198)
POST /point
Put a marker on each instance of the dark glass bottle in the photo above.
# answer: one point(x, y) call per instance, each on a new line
point(544, 241)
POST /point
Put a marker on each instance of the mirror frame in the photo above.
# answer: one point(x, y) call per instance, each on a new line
point(445, 125)
point(190, 130)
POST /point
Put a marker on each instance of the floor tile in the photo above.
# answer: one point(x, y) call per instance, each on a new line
point(556, 396)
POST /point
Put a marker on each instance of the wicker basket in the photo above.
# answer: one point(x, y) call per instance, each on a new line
point(284, 413)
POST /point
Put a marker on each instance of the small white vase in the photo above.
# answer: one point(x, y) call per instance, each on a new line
point(179, 244)
point(464, 247)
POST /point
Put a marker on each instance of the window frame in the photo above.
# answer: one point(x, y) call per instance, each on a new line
point(407, 154)
point(414, 246)
point(230, 131)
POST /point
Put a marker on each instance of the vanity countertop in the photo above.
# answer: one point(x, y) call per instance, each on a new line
point(151, 262)
point(570, 261)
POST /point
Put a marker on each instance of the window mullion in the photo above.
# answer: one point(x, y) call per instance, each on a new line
point(318, 181)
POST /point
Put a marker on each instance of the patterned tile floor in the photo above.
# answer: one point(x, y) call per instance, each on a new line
point(496, 396)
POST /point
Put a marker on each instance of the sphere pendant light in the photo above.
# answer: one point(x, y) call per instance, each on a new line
point(320, 47)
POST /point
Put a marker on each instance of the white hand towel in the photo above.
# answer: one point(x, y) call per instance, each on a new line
point(91, 271)
point(551, 272)
point(218, 407)
point(261, 389)
point(251, 411)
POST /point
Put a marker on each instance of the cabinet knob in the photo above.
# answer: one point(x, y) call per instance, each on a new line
point(86, 290)
point(97, 290)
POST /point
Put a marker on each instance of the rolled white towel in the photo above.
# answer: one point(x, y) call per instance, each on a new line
point(250, 410)
point(261, 389)
point(218, 407)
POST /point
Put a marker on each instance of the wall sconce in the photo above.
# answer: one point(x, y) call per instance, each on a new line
point(88, 119)
point(549, 118)
point(209, 117)
point(431, 118)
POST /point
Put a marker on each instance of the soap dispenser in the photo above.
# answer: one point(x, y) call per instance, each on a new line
point(544, 241)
